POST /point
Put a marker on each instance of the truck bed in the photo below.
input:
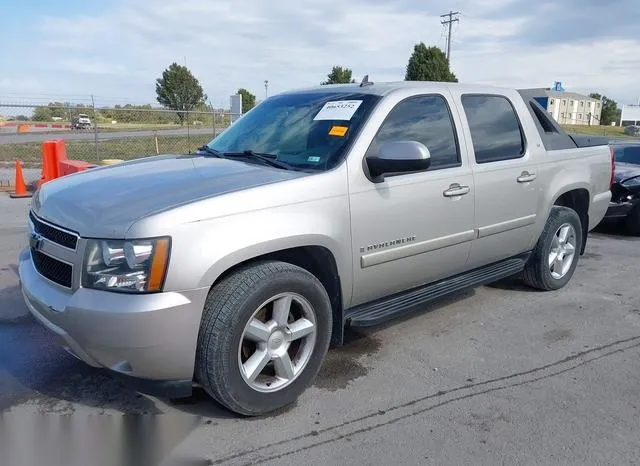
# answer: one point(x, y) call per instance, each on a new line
point(552, 134)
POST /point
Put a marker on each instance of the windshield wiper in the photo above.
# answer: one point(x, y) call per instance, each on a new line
point(209, 150)
point(267, 159)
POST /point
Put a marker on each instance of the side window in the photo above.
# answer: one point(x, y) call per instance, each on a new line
point(425, 119)
point(495, 128)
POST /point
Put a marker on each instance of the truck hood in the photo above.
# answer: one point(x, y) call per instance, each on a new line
point(106, 201)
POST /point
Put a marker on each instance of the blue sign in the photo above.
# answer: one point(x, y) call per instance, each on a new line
point(557, 86)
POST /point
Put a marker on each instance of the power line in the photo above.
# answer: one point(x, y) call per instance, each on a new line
point(449, 22)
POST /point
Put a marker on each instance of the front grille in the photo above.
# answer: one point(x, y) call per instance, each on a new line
point(56, 271)
point(53, 234)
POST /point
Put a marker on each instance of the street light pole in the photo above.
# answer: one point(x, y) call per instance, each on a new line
point(266, 88)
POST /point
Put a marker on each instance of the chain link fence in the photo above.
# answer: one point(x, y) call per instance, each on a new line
point(96, 133)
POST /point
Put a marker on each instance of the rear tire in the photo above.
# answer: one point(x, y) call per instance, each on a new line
point(632, 221)
point(555, 256)
point(264, 334)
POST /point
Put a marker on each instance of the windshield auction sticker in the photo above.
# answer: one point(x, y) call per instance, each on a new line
point(338, 110)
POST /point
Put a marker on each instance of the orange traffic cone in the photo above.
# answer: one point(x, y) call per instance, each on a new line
point(61, 151)
point(49, 163)
point(21, 187)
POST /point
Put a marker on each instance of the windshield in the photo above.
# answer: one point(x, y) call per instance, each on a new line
point(628, 154)
point(306, 130)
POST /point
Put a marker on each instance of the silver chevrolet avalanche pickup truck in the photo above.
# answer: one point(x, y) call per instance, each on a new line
point(236, 268)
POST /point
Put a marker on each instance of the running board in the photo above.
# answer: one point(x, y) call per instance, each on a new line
point(382, 310)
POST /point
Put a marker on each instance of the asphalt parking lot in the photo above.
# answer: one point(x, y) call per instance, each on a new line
point(498, 375)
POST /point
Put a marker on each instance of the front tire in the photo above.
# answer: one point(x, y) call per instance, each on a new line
point(264, 334)
point(555, 256)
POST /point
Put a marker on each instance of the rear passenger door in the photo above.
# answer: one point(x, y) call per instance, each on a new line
point(504, 172)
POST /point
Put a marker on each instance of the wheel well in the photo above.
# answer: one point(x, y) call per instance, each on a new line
point(320, 262)
point(578, 200)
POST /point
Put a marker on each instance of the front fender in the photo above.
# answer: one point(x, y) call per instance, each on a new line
point(202, 251)
point(251, 251)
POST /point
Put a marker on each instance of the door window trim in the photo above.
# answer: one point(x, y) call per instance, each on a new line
point(523, 137)
point(430, 169)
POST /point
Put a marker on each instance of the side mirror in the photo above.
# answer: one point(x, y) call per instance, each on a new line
point(398, 157)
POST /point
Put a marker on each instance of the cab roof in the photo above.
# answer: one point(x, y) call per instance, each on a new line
point(385, 88)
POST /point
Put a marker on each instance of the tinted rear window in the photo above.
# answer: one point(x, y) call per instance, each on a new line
point(495, 128)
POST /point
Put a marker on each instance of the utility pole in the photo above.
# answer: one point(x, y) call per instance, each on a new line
point(449, 22)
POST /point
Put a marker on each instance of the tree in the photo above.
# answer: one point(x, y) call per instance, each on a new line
point(339, 75)
point(51, 111)
point(42, 114)
point(248, 100)
point(179, 90)
point(610, 112)
point(428, 64)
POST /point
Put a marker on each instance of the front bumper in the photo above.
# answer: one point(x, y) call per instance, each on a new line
point(150, 337)
point(619, 210)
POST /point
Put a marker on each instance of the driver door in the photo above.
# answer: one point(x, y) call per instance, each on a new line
point(412, 228)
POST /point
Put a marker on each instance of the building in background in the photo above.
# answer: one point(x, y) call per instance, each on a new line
point(235, 103)
point(630, 115)
point(568, 108)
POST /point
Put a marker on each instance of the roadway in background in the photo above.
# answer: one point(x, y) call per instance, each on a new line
point(102, 135)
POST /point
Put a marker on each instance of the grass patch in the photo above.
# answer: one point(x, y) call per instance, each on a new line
point(597, 130)
point(30, 153)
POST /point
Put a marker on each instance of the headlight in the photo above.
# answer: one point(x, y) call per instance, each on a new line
point(136, 266)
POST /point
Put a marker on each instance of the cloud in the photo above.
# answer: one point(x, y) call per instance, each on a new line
point(584, 21)
point(20, 87)
point(120, 51)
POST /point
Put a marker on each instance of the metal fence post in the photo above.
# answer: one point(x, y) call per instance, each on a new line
point(188, 134)
point(213, 118)
point(95, 128)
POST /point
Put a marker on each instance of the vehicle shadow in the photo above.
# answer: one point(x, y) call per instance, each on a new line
point(47, 379)
point(38, 375)
point(341, 365)
point(613, 229)
point(513, 283)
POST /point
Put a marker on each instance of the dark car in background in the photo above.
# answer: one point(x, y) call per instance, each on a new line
point(625, 192)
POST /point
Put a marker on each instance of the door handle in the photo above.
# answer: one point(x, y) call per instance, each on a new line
point(456, 190)
point(526, 177)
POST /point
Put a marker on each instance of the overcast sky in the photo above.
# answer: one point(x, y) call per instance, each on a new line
point(116, 49)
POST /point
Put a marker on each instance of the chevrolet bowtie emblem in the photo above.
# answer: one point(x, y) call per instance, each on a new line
point(36, 241)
